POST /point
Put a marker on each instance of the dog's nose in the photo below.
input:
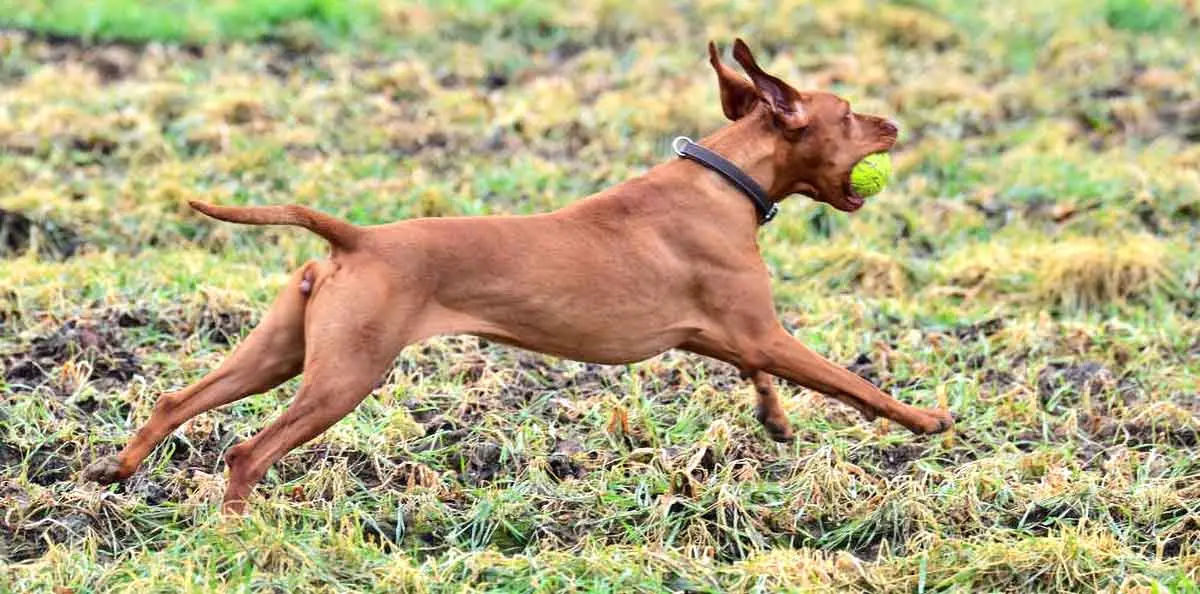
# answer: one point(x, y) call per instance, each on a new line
point(889, 128)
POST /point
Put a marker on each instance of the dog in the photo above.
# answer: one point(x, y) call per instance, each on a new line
point(667, 260)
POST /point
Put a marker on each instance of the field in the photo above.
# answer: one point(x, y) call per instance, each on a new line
point(1033, 267)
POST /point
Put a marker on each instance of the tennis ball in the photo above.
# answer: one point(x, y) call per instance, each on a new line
point(871, 175)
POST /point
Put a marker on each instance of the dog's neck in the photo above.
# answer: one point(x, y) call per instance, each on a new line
point(749, 144)
point(683, 186)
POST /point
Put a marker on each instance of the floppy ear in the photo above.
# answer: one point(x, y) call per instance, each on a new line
point(738, 96)
point(783, 99)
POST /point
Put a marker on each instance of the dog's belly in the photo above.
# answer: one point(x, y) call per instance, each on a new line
point(606, 354)
point(592, 331)
point(595, 349)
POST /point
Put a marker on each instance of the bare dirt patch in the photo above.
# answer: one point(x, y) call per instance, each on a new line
point(1063, 385)
point(18, 233)
point(96, 344)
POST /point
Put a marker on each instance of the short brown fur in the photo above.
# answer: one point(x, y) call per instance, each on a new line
point(668, 260)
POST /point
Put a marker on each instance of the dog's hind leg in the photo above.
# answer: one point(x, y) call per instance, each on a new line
point(272, 354)
point(355, 327)
point(325, 398)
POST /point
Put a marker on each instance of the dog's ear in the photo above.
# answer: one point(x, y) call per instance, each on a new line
point(738, 96)
point(784, 101)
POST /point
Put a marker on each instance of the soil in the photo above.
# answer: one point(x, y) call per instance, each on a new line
point(865, 368)
point(97, 343)
point(1064, 385)
point(562, 464)
point(53, 241)
point(890, 460)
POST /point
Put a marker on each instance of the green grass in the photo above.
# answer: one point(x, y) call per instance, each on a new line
point(1143, 15)
point(188, 21)
point(1032, 267)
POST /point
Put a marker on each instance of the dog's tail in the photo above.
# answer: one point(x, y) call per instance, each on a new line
point(340, 234)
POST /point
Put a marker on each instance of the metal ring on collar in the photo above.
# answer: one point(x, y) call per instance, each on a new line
point(679, 143)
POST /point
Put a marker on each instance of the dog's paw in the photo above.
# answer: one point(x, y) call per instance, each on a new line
point(104, 471)
point(232, 508)
point(783, 435)
point(776, 425)
point(937, 421)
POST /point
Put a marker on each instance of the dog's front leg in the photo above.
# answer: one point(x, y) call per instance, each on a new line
point(786, 357)
point(776, 352)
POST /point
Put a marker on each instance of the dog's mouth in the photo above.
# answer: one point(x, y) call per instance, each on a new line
point(849, 201)
point(844, 199)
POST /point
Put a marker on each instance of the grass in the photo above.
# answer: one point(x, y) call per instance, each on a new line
point(1143, 15)
point(1031, 267)
point(190, 21)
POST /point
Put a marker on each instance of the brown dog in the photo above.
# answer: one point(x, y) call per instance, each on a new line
point(666, 260)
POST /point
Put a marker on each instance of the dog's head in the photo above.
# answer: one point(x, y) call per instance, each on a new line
point(817, 137)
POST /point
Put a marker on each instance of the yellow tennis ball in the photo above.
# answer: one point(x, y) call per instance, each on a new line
point(871, 175)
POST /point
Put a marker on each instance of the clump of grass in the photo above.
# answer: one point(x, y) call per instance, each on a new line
point(237, 109)
point(1077, 274)
point(1143, 16)
point(793, 570)
point(1091, 273)
point(1071, 560)
point(907, 26)
point(402, 80)
point(856, 269)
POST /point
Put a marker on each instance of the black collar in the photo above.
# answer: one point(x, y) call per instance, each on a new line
point(684, 147)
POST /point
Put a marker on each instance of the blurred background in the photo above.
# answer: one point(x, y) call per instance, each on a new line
point(1032, 266)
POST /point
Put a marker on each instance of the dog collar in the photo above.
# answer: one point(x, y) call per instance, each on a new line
point(684, 147)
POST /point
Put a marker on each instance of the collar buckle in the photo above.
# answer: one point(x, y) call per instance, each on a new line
point(680, 143)
point(770, 214)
